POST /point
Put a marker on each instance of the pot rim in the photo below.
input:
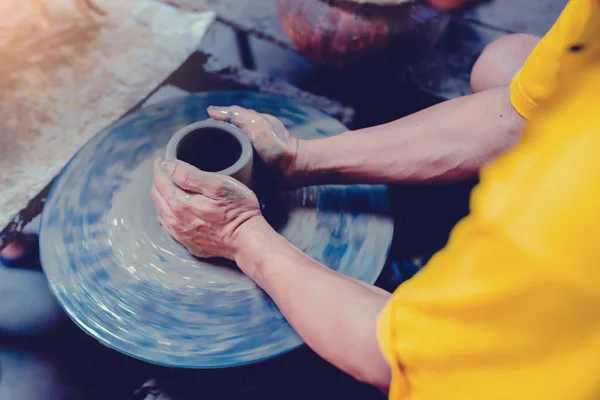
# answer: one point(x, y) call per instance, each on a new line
point(237, 133)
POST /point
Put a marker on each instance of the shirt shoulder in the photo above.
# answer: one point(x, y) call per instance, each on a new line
point(509, 305)
point(544, 68)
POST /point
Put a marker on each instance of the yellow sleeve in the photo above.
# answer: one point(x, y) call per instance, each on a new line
point(510, 309)
point(538, 78)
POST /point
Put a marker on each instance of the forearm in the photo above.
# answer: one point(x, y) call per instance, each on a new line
point(335, 315)
point(447, 142)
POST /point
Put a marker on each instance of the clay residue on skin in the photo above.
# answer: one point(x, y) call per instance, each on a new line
point(229, 189)
point(233, 190)
point(269, 137)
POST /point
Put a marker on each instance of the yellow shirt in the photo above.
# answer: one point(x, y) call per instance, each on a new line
point(510, 309)
point(539, 77)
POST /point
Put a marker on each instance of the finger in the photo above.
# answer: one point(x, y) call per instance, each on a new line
point(157, 164)
point(162, 181)
point(228, 114)
point(165, 223)
point(179, 204)
point(174, 200)
point(188, 177)
point(244, 119)
point(271, 119)
point(171, 223)
point(166, 216)
point(161, 205)
point(211, 185)
point(276, 126)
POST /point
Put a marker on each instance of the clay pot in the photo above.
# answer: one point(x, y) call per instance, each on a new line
point(214, 146)
point(350, 35)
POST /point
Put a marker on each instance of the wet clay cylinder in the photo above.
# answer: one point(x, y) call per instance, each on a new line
point(214, 146)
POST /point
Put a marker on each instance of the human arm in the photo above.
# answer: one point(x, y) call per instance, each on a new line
point(334, 314)
point(446, 142)
point(508, 309)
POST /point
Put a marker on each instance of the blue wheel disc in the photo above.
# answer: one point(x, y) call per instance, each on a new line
point(127, 283)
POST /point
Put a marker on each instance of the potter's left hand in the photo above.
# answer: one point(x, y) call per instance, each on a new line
point(206, 212)
point(271, 140)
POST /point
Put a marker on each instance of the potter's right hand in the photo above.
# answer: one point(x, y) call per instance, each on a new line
point(271, 140)
point(204, 211)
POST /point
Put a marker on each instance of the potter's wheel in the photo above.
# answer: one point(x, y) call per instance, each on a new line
point(127, 283)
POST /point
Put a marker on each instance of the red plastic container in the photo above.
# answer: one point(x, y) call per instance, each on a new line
point(351, 35)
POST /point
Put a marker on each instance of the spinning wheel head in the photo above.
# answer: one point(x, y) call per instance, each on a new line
point(127, 283)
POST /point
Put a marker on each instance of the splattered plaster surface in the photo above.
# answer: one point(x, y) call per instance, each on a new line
point(61, 85)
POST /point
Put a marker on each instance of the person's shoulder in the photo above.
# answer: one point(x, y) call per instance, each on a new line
point(544, 192)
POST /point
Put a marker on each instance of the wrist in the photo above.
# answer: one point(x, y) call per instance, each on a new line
point(299, 170)
point(254, 243)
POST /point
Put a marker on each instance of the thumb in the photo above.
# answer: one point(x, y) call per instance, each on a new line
point(209, 184)
point(190, 178)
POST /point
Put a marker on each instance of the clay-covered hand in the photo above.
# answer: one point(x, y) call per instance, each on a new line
point(271, 140)
point(206, 212)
